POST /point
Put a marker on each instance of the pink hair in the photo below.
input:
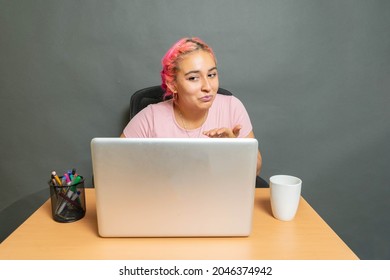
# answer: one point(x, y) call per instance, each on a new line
point(170, 59)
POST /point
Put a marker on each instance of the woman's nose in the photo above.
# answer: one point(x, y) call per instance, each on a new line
point(206, 86)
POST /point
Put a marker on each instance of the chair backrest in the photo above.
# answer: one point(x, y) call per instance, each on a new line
point(151, 95)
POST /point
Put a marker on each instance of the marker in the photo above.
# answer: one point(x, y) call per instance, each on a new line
point(56, 178)
point(67, 178)
point(73, 198)
point(74, 173)
point(71, 191)
point(69, 194)
point(53, 181)
point(75, 180)
point(75, 195)
point(70, 175)
point(63, 180)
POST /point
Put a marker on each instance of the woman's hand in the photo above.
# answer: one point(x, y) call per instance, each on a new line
point(233, 133)
point(224, 132)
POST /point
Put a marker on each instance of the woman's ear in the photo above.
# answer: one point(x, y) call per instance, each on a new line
point(172, 87)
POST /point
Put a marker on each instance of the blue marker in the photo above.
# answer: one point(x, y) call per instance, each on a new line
point(70, 175)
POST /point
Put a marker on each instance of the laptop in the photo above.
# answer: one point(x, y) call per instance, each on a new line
point(174, 187)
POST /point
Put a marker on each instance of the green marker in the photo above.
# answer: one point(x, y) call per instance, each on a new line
point(69, 193)
point(75, 181)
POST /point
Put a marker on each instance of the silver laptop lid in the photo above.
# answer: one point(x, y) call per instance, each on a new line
point(173, 186)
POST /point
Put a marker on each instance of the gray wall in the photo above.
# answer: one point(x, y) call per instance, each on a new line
point(314, 76)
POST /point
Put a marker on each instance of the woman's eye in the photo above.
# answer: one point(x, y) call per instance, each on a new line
point(192, 78)
point(212, 75)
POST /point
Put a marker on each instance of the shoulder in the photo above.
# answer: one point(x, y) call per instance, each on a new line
point(164, 106)
point(151, 110)
point(145, 122)
point(154, 112)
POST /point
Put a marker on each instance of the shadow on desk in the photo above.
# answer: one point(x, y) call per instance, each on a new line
point(15, 214)
point(264, 204)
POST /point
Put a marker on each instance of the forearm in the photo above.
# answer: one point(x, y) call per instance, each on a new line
point(259, 158)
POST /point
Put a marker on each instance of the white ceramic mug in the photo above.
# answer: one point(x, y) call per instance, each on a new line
point(285, 195)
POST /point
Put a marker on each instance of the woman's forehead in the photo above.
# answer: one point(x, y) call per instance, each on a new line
point(196, 61)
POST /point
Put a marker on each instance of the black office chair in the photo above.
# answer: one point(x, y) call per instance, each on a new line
point(151, 95)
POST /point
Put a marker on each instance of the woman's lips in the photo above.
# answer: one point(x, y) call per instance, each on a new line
point(206, 98)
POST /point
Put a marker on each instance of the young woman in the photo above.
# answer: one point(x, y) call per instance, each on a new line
point(193, 108)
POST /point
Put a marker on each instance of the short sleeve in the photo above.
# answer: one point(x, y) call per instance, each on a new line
point(141, 125)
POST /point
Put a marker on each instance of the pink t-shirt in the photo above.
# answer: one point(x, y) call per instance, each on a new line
point(158, 120)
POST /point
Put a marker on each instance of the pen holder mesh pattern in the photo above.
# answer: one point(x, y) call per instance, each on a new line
point(67, 202)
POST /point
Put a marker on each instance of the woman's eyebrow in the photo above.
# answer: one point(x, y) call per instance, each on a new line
point(197, 71)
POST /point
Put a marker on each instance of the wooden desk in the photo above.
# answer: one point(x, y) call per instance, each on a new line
point(306, 237)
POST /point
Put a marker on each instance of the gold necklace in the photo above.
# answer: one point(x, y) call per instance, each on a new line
point(184, 124)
